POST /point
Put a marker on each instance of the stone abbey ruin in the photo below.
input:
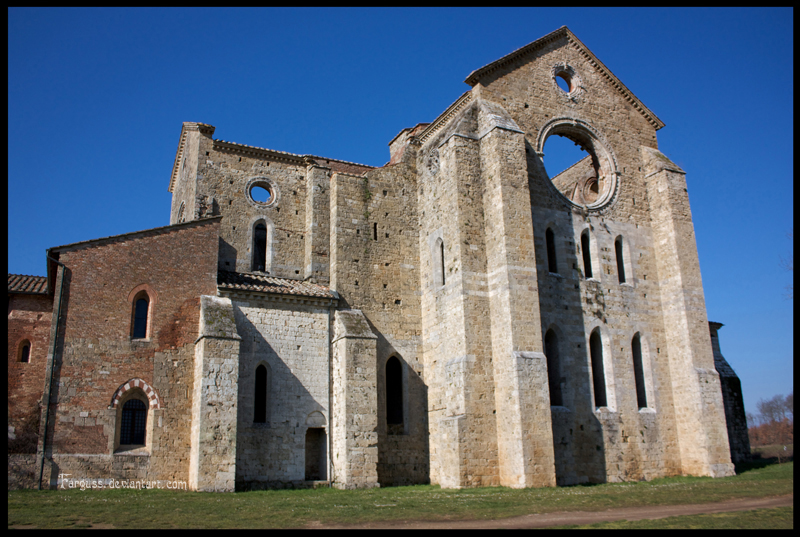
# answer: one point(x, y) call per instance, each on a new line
point(455, 317)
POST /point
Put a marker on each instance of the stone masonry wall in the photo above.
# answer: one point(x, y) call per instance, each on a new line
point(735, 416)
point(456, 334)
point(620, 442)
point(291, 340)
point(375, 269)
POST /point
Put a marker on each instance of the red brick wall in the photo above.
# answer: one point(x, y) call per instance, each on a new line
point(29, 317)
point(98, 353)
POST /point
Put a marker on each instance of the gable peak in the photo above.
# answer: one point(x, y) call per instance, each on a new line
point(476, 76)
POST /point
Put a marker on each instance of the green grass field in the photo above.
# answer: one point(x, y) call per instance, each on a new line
point(296, 508)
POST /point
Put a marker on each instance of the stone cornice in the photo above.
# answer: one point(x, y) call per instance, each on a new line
point(584, 51)
point(477, 74)
point(445, 116)
point(280, 156)
point(259, 152)
point(614, 81)
point(187, 127)
point(247, 150)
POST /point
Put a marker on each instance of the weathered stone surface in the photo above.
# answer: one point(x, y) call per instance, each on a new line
point(475, 322)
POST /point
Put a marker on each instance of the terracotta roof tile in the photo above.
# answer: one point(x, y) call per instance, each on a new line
point(19, 283)
point(268, 284)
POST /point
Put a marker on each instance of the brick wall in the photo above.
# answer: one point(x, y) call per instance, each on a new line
point(175, 265)
point(29, 318)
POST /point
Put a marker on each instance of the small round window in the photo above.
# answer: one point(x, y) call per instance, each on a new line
point(261, 192)
point(567, 80)
point(564, 81)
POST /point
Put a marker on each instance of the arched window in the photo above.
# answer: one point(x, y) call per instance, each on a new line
point(438, 262)
point(553, 368)
point(141, 307)
point(25, 351)
point(638, 371)
point(260, 403)
point(620, 259)
point(587, 255)
point(598, 373)
point(260, 246)
point(134, 420)
point(552, 264)
point(394, 392)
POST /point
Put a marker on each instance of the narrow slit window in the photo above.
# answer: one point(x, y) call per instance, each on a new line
point(375, 231)
point(598, 373)
point(620, 259)
point(260, 247)
point(552, 264)
point(140, 317)
point(438, 263)
point(441, 260)
point(25, 352)
point(587, 255)
point(638, 371)
point(394, 392)
point(553, 368)
point(260, 403)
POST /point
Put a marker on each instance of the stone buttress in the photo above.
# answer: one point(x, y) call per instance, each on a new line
point(213, 438)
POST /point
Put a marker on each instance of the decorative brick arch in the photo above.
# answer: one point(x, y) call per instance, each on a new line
point(151, 294)
point(152, 396)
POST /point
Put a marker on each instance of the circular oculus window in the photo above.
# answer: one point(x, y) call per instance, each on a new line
point(591, 182)
point(261, 192)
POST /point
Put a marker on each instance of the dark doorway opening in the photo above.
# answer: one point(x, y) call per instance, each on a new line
point(316, 454)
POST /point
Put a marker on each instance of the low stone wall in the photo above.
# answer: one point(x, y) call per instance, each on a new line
point(22, 471)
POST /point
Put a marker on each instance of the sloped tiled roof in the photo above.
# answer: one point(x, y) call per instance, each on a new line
point(19, 283)
point(135, 234)
point(268, 284)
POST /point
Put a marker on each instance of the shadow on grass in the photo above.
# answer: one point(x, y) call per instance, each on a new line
point(580, 485)
point(758, 462)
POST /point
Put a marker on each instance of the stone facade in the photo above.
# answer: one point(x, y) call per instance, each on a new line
point(455, 317)
point(735, 417)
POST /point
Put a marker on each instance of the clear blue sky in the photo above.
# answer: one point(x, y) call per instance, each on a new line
point(96, 98)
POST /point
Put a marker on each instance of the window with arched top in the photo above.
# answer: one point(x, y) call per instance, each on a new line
point(553, 368)
point(25, 351)
point(552, 264)
point(438, 263)
point(598, 369)
point(618, 248)
point(638, 371)
point(260, 400)
point(134, 423)
point(141, 312)
point(394, 391)
point(587, 254)
point(259, 246)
